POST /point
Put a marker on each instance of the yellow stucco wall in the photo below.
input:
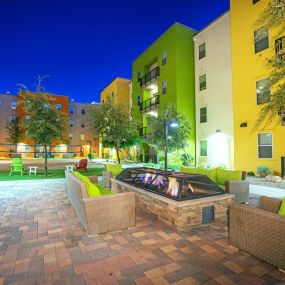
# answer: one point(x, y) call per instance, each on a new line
point(121, 89)
point(248, 68)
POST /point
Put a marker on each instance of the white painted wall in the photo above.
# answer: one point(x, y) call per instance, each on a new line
point(218, 95)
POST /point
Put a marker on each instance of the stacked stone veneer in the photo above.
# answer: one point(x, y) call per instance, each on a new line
point(181, 215)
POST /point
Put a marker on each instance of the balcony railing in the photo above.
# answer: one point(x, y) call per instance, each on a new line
point(153, 74)
point(149, 104)
point(280, 46)
point(144, 132)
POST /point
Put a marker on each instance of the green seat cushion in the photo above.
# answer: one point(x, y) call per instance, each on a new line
point(221, 176)
point(211, 173)
point(83, 178)
point(103, 190)
point(191, 170)
point(224, 175)
point(234, 175)
point(281, 211)
point(116, 169)
point(93, 190)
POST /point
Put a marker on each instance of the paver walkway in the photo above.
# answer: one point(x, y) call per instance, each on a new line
point(42, 242)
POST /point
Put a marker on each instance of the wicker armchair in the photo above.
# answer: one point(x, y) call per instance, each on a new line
point(259, 231)
point(103, 213)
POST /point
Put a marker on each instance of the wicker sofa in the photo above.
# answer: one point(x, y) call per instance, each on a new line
point(103, 213)
point(232, 181)
point(259, 231)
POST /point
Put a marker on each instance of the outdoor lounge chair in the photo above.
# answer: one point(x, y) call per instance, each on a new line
point(82, 165)
point(16, 166)
point(112, 170)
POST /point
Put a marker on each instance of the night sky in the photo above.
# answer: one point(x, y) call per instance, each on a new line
point(84, 44)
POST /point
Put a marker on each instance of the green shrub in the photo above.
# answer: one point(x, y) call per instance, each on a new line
point(250, 173)
point(187, 159)
point(263, 171)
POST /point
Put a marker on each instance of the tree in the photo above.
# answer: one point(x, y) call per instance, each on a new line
point(178, 138)
point(273, 17)
point(112, 122)
point(15, 131)
point(43, 123)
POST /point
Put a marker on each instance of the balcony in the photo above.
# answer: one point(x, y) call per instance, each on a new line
point(149, 104)
point(149, 77)
point(144, 132)
point(280, 46)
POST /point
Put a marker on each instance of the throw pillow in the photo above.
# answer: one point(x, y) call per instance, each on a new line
point(93, 190)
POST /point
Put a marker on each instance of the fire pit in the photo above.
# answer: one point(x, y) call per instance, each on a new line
point(178, 186)
point(179, 199)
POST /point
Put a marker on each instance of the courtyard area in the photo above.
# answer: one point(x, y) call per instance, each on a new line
point(43, 242)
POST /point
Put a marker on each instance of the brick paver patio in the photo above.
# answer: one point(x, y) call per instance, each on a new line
point(42, 242)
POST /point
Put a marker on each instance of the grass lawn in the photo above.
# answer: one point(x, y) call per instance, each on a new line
point(52, 174)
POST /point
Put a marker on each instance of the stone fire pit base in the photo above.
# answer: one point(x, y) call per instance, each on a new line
point(181, 215)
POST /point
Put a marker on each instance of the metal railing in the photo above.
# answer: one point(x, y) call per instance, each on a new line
point(280, 46)
point(149, 104)
point(153, 74)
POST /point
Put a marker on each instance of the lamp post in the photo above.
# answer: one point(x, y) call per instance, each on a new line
point(173, 124)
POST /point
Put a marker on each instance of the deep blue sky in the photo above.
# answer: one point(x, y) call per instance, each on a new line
point(83, 44)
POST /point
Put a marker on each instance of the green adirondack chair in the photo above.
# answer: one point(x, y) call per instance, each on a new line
point(16, 166)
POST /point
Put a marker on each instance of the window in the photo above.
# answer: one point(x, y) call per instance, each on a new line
point(263, 91)
point(71, 123)
point(203, 82)
point(164, 87)
point(12, 118)
point(261, 41)
point(138, 76)
point(27, 149)
point(58, 107)
point(82, 125)
point(13, 105)
point(83, 111)
point(203, 115)
point(265, 145)
point(202, 50)
point(28, 118)
point(70, 136)
point(203, 148)
point(164, 58)
point(254, 1)
point(82, 137)
point(0, 102)
point(57, 148)
point(138, 100)
point(71, 110)
point(283, 121)
point(113, 94)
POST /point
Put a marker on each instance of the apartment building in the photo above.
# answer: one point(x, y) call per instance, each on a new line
point(251, 88)
point(119, 92)
point(164, 73)
point(213, 94)
point(79, 133)
point(78, 139)
point(8, 111)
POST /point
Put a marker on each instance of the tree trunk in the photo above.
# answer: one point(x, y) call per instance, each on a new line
point(46, 168)
point(118, 155)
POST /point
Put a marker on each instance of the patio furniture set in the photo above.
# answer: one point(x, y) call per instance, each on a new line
point(257, 231)
point(18, 168)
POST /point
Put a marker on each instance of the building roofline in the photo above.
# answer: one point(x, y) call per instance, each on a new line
point(175, 23)
point(211, 23)
point(113, 81)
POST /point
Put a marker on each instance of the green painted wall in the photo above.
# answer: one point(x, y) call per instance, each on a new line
point(178, 43)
